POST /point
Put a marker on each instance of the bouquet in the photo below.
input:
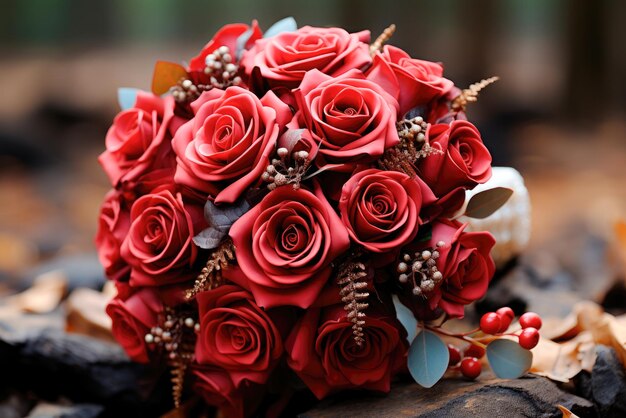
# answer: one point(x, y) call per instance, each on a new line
point(284, 208)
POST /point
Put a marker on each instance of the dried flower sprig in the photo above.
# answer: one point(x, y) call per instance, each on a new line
point(350, 276)
point(211, 275)
point(470, 94)
point(382, 38)
point(284, 170)
point(222, 70)
point(176, 335)
point(412, 146)
point(421, 270)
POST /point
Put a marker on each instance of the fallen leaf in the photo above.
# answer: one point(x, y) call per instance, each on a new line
point(44, 295)
point(556, 361)
point(566, 412)
point(85, 314)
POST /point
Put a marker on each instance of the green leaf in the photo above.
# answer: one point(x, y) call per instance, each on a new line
point(507, 359)
point(487, 202)
point(166, 75)
point(428, 358)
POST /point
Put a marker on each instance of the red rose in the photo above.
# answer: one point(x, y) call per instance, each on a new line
point(132, 320)
point(225, 148)
point(285, 245)
point(413, 82)
point(139, 139)
point(159, 245)
point(237, 335)
point(465, 264)
point(284, 59)
point(322, 351)
point(113, 225)
point(217, 389)
point(226, 36)
point(381, 209)
point(464, 160)
point(353, 119)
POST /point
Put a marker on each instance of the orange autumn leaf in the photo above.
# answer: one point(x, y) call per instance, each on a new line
point(566, 412)
point(166, 75)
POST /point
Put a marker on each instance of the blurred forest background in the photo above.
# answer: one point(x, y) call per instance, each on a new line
point(557, 114)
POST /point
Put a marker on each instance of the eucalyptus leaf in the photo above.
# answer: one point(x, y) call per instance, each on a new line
point(428, 358)
point(507, 359)
point(487, 202)
point(222, 217)
point(209, 238)
point(406, 318)
point(287, 24)
point(126, 97)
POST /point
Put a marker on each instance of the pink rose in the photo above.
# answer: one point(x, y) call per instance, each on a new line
point(113, 225)
point(353, 119)
point(381, 209)
point(139, 139)
point(285, 245)
point(413, 82)
point(284, 59)
point(237, 335)
point(159, 245)
point(225, 148)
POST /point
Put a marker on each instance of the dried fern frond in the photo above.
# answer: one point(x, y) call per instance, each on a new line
point(175, 335)
point(470, 94)
point(350, 276)
point(382, 38)
point(211, 275)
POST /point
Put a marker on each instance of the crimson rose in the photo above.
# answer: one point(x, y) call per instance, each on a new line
point(353, 119)
point(139, 139)
point(322, 351)
point(237, 335)
point(285, 245)
point(464, 160)
point(225, 148)
point(381, 209)
point(132, 320)
point(466, 265)
point(159, 245)
point(285, 58)
point(113, 225)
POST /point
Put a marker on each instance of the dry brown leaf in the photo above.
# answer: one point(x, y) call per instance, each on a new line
point(560, 362)
point(559, 329)
point(44, 295)
point(566, 412)
point(86, 314)
point(617, 337)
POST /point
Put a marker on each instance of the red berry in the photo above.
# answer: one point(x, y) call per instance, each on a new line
point(530, 319)
point(455, 355)
point(474, 351)
point(470, 367)
point(506, 311)
point(490, 323)
point(506, 317)
point(529, 338)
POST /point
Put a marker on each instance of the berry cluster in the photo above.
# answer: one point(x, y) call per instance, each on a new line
point(467, 361)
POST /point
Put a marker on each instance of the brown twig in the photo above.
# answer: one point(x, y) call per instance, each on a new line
point(211, 275)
